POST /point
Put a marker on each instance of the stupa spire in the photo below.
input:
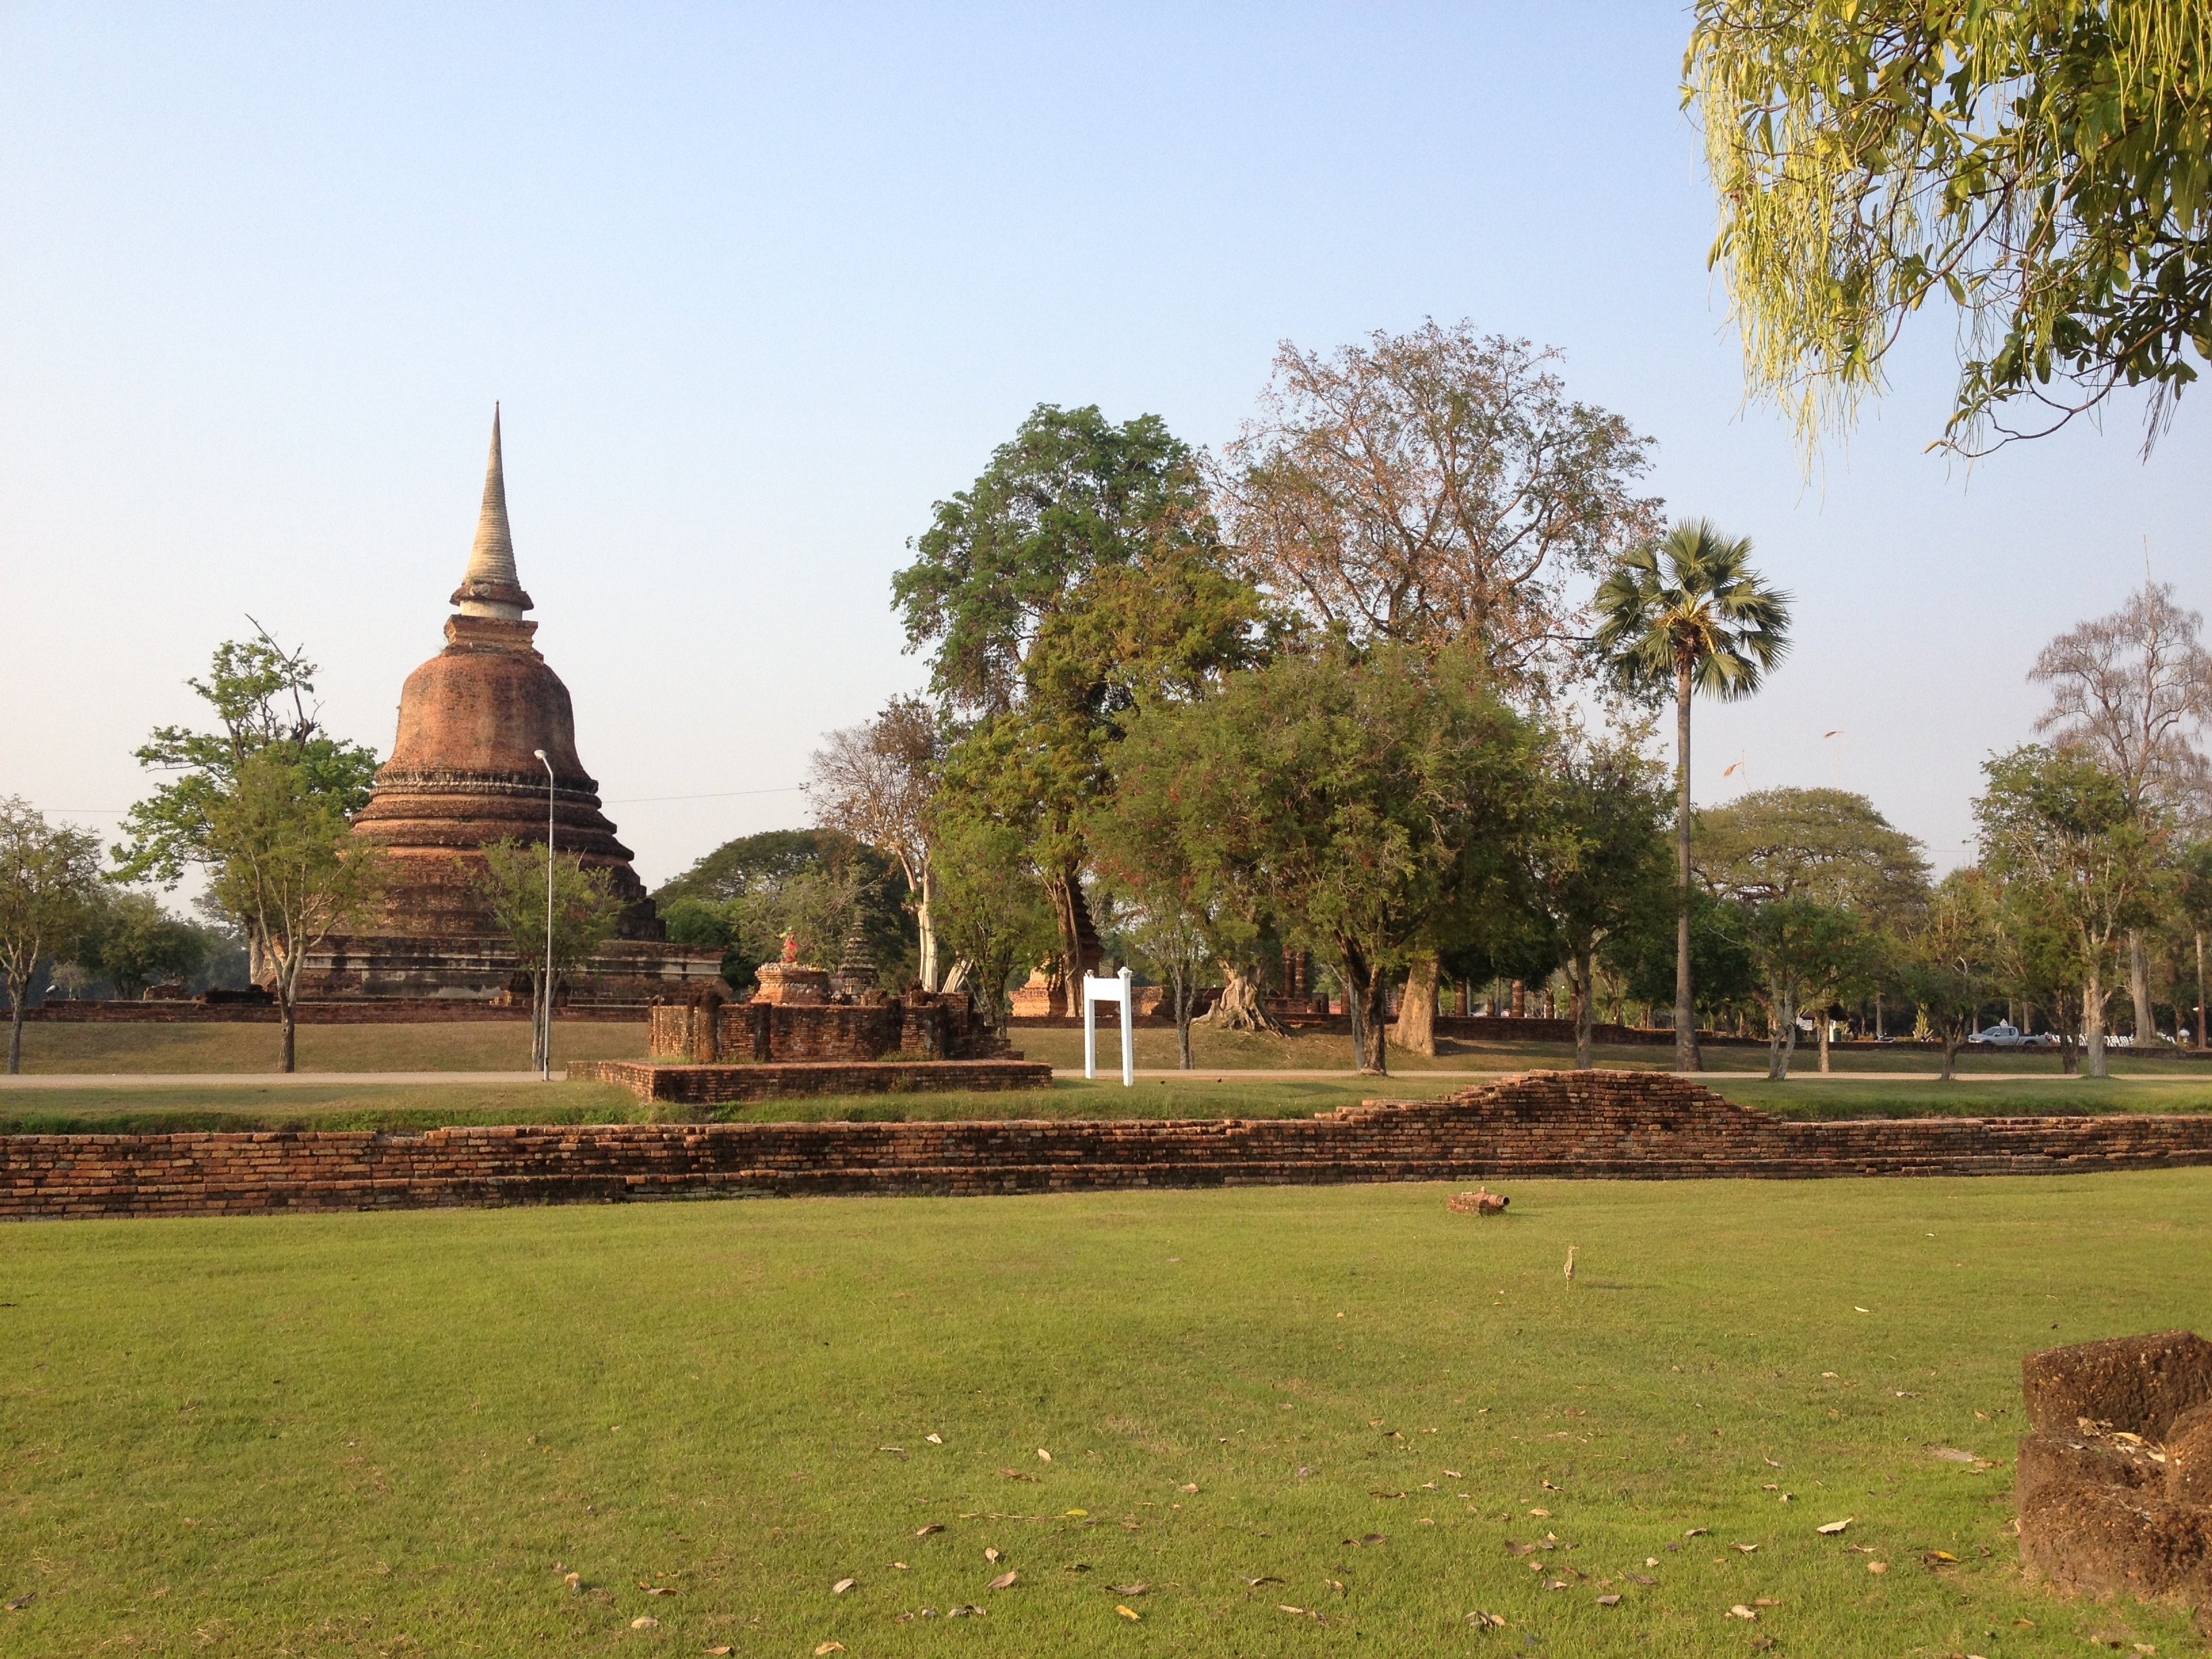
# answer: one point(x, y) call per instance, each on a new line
point(491, 588)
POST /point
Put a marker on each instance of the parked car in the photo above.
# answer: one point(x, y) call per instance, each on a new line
point(2003, 1035)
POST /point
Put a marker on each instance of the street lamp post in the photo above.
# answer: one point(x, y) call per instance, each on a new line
point(545, 997)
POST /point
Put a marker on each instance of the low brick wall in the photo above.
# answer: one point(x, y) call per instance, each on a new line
point(719, 1085)
point(413, 1010)
point(1643, 1126)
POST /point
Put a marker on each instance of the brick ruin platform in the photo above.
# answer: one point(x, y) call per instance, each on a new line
point(1617, 1125)
point(2115, 1480)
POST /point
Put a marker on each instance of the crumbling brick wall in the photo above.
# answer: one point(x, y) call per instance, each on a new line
point(1636, 1125)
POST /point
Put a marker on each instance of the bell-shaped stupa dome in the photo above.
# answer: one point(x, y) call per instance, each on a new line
point(465, 769)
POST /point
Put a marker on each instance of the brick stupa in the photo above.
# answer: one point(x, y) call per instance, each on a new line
point(465, 771)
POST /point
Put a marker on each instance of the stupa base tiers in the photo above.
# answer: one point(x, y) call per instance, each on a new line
point(630, 973)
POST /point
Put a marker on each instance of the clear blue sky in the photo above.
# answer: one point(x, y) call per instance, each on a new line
point(757, 286)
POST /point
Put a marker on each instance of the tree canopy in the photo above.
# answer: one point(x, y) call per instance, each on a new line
point(1437, 488)
point(2044, 164)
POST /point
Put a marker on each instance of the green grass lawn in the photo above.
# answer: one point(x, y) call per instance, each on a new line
point(475, 1046)
point(396, 1434)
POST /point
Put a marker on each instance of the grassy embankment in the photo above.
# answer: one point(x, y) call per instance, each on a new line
point(1989, 1085)
point(1293, 1416)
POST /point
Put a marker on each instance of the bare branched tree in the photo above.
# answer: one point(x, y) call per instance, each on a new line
point(1437, 488)
point(874, 781)
point(2133, 690)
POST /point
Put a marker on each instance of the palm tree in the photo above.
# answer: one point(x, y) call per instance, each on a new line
point(1693, 611)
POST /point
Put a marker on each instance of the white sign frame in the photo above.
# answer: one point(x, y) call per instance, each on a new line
point(1116, 990)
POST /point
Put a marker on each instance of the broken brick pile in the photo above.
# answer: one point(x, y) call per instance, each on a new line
point(1634, 1125)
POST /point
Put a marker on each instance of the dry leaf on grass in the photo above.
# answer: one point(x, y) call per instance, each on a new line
point(1482, 1620)
point(1127, 1612)
point(1079, 1515)
point(1745, 1549)
point(1877, 1566)
point(1639, 1578)
point(1835, 1527)
point(1137, 1588)
point(934, 1439)
point(1193, 1486)
point(1608, 1601)
point(22, 1601)
point(924, 1532)
point(1739, 1611)
point(644, 1622)
point(1268, 1578)
point(1547, 1514)
point(718, 1652)
point(1004, 1581)
point(842, 1585)
point(1043, 1456)
point(828, 1647)
point(1696, 1532)
point(990, 1554)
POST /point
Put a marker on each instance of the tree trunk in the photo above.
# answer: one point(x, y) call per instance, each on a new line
point(2139, 988)
point(1364, 995)
point(1782, 1042)
point(1824, 1039)
point(1065, 889)
point(1953, 1033)
point(1239, 1007)
point(2069, 1055)
point(290, 1018)
point(1578, 970)
point(15, 1027)
point(1686, 1001)
point(2200, 989)
point(926, 929)
point(541, 1021)
point(1186, 994)
point(1417, 1014)
point(2093, 1024)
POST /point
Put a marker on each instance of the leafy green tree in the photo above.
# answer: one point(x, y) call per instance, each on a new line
point(2193, 900)
point(1372, 801)
point(1598, 852)
point(1081, 575)
point(261, 695)
point(1641, 951)
point(2063, 830)
point(1803, 950)
point(812, 883)
point(992, 914)
point(49, 882)
point(1950, 962)
point(2042, 162)
point(582, 912)
point(130, 941)
point(1437, 488)
point(874, 781)
point(1688, 615)
point(1828, 845)
point(281, 857)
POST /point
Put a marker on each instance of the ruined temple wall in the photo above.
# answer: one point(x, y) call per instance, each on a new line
point(1637, 1125)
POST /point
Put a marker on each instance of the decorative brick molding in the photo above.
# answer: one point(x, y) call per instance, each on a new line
point(1634, 1125)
